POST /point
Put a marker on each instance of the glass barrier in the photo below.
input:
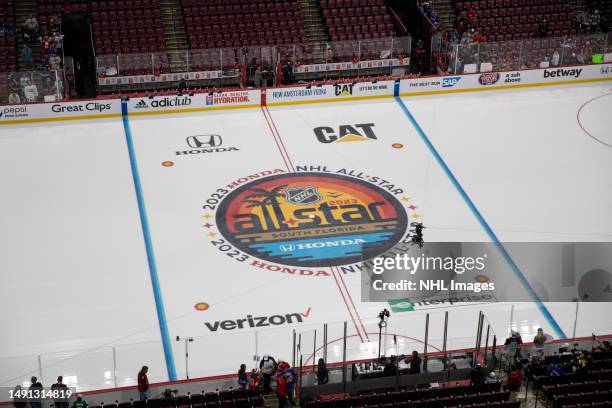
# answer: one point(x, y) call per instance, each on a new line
point(31, 86)
point(456, 335)
point(453, 58)
point(227, 62)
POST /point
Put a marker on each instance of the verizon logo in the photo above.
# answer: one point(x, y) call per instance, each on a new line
point(258, 321)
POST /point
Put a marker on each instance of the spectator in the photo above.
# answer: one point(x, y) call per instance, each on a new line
point(477, 376)
point(257, 77)
point(288, 72)
point(254, 380)
point(540, 338)
point(26, 55)
point(322, 372)
point(595, 20)
point(281, 392)
point(472, 16)
point(12, 99)
point(31, 28)
point(492, 378)
point(55, 22)
point(143, 383)
point(329, 54)
point(79, 402)
point(19, 401)
point(515, 337)
point(182, 85)
point(602, 345)
point(55, 62)
point(14, 83)
point(49, 87)
point(31, 95)
point(415, 363)
point(564, 349)
point(555, 370)
point(556, 59)
point(59, 385)
point(35, 385)
point(44, 45)
point(58, 41)
point(290, 376)
point(243, 379)
point(515, 380)
point(267, 365)
point(581, 19)
point(390, 369)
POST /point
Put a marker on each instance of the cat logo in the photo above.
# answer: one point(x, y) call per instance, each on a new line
point(204, 141)
point(344, 89)
point(345, 133)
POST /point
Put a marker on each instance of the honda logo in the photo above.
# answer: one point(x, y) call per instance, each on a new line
point(204, 141)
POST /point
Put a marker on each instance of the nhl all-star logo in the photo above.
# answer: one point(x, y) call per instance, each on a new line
point(302, 195)
point(311, 218)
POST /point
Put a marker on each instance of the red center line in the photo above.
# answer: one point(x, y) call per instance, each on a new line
point(285, 155)
point(346, 304)
point(351, 300)
point(279, 137)
point(280, 149)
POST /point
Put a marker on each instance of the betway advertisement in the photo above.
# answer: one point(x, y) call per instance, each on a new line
point(61, 110)
point(493, 80)
point(201, 101)
point(329, 92)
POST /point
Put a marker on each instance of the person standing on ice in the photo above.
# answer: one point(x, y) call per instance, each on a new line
point(267, 365)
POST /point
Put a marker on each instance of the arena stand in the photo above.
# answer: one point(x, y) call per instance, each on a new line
point(355, 20)
point(240, 23)
point(15, 70)
point(264, 43)
point(589, 386)
point(504, 20)
point(552, 52)
point(8, 50)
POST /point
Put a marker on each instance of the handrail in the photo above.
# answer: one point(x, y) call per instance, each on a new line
point(398, 20)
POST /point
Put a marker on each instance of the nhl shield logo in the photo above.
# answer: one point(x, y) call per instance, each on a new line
point(302, 195)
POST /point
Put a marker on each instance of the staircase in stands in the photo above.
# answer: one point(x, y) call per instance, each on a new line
point(314, 26)
point(270, 401)
point(23, 9)
point(175, 34)
point(446, 11)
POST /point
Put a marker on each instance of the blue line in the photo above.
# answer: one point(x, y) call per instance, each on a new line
point(534, 296)
point(159, 303)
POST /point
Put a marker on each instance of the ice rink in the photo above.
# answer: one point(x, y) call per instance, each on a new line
point(120, 235)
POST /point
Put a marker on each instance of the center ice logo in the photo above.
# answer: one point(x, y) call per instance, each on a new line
point(311, 219)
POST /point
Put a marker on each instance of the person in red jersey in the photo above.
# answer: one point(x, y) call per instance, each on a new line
point(143, 383)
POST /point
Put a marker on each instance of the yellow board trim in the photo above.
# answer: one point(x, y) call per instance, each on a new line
point(253, 105)
point(492, 88)
point(170, 111)
point(59, 119)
